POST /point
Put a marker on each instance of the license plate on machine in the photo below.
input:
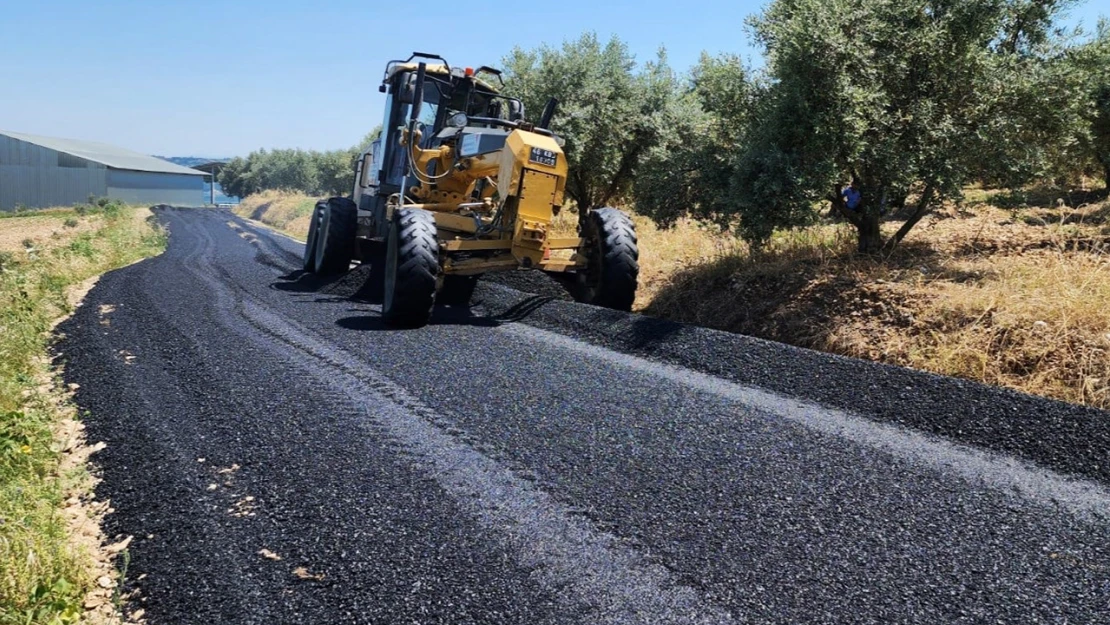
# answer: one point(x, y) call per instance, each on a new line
point(543, 157)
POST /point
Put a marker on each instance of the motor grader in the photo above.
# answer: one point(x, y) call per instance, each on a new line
point(457, 185)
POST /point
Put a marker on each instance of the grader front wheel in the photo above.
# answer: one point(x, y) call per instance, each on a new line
point(611, 247)
point(411, 268)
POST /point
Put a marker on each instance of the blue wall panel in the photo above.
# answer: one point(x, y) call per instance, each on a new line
point(142, 187)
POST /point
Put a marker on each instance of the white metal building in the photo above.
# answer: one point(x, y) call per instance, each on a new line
point(39, 172)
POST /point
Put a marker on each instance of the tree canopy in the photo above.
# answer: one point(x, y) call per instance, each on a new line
point(923, 96)
point(311, 172)
point(692, 170)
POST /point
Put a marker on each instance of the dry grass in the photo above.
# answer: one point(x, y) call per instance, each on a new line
point(286, 211)
point(1014, 296)
point(663, 253)
point(41, 230)
point(1034, 317)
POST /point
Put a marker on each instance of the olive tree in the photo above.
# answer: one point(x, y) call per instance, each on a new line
point(1092, 60)
point(734, 157)
point(335, 171)
point(893, 94)
point(612, 110)
point(234, 178)
point(304, 171)
point(1100, 95)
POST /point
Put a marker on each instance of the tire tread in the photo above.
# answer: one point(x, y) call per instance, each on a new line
point(417, 268)
point(338, 228)
point(620, 259)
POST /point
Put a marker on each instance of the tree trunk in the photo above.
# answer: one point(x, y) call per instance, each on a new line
point(866, 222)
point(865, 219)
point(870, 237)
point(922, 208)
point(1106, 173)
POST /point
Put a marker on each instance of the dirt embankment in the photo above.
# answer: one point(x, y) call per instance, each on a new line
point(1014, 298)
point(288, 212)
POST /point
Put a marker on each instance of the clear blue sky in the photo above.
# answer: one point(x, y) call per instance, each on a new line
point(205, 78)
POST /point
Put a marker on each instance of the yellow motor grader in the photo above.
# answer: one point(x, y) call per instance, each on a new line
point(458, 185)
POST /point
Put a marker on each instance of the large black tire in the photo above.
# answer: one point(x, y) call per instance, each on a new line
point(456, 290)
point(611, 247)
point(310, 244)
point(411, 268)
point(335, 236)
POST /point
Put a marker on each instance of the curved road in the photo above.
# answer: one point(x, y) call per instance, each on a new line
point(283, 457)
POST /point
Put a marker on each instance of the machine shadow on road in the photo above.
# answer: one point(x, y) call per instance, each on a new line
point(362, 285)
point(464, 315)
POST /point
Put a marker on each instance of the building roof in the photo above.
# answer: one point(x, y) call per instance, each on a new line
point(108, 155)
point(211, 167)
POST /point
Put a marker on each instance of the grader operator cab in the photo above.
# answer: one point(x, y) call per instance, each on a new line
point(458, 185)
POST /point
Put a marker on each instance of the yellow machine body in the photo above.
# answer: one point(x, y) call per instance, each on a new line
point(511, 226)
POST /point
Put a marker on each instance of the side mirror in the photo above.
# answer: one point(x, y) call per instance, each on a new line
point(365, 171)
point(407, 92)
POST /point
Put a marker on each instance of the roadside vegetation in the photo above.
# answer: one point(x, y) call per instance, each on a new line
point(1004, 295)
point(46, 577)
point(316, 173)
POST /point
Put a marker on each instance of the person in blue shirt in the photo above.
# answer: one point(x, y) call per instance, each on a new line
point(852, 196)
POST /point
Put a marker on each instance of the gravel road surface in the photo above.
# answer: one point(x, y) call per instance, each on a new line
point(281, 456)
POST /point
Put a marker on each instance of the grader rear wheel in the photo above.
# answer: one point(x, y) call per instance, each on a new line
point(611, 247)
point(335, 236)
point(411, 268)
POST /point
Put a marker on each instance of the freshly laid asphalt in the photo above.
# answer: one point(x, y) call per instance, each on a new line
point(282, 456)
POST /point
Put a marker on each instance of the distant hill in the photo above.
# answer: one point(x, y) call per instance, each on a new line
point(189, 161)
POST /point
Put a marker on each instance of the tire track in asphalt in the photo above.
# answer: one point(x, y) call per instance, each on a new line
point(593, 572)
point(1084, 499)
point(169, 411)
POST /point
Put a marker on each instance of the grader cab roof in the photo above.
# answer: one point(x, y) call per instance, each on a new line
point(440, 69)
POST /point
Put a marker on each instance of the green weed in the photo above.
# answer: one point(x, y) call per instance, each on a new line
point(43, 580)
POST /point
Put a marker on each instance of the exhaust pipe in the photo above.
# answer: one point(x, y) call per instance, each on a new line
point(548, 113)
